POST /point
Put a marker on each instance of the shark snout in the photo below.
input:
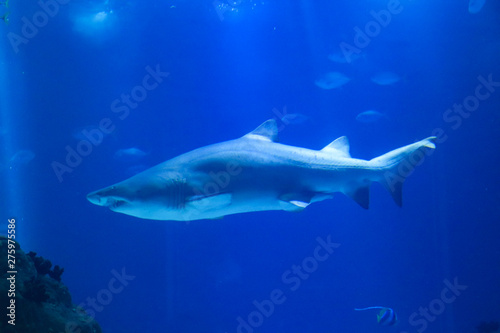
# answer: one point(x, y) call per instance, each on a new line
point(107, 197)
point(95, 198)
point(104, 197)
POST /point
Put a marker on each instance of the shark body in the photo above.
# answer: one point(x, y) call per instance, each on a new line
point(256, 173)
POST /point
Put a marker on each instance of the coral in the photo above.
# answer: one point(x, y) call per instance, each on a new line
point(42, 302)
point(56, 273)
point(43, 266)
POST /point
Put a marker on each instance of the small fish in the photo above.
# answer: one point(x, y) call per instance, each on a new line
point(475, 6)
point(386, 316)
point(370, 116)
point(332, 80)
point(5, 17)
point(21, 158)
point(385, 78)
point(129, 154)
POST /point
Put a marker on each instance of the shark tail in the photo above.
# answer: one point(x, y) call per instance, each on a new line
point(398, 164)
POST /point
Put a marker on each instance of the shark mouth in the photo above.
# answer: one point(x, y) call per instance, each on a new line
point(106, 201)
point(113, 204)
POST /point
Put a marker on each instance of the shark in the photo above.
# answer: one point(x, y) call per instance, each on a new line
point(257, 173)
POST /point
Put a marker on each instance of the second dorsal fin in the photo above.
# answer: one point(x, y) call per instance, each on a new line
point(339, 147)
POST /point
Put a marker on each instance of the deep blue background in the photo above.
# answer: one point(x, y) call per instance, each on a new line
point(225, 78)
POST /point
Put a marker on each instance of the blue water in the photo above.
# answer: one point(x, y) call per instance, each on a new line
point(231, 66)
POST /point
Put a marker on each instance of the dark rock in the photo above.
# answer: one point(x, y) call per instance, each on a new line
point(35, 290)
point(42, 303)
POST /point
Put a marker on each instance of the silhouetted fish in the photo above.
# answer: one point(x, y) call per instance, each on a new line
point(475, 6)
point(332, 80)
point(20, 158)
point(370, 116)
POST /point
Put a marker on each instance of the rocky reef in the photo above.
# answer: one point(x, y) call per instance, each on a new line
point(42, 303)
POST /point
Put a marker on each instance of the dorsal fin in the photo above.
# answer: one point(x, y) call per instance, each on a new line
point(267, 131)
point(339, 147)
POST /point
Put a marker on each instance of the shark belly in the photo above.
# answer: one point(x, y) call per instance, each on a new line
point(280, 185)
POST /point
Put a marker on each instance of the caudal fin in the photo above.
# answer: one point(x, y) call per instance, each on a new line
point(398, 164)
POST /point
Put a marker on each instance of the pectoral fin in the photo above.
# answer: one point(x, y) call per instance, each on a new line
point(295, 202)
point(293, 205)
